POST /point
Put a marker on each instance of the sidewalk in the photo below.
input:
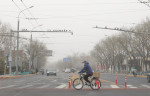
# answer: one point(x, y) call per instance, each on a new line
point(129, 74)
point(12, 76)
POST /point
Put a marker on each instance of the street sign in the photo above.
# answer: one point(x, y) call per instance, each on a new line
point(46, 52)
point(125, 61)
point(10, 58)
point(66, 60)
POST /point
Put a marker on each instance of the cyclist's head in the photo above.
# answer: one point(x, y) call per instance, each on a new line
point(84, 62)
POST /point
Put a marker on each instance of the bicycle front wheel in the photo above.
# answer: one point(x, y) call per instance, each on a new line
point(95, 84)
point(78, 84)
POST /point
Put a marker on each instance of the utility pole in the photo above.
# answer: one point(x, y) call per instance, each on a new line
point(30, 61)
point(10, 54)
point(17, 58)
point(48, 31)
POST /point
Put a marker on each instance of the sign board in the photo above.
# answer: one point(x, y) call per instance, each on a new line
point(46, 52)
point(66, 60)
point(7, 61)
point(125, 62)
point(10, 58)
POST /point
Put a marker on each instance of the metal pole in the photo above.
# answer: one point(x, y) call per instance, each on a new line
point(10, 54)
point(30, 60)
point(17, 60)
point(17, 47)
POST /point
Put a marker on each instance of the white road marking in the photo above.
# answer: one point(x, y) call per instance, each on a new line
point(44, 86)
point(114, 86)
point(25, 86)
point(54, 81)
point(146, 86)
point(8, 86)
point(131, 86)
point(61, 86)
point(79, 86)
point(19, 81)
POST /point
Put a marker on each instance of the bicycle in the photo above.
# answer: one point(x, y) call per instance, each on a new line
point(78, 83)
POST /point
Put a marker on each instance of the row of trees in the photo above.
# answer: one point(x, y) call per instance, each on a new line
point(120, 52)
point(38, 59)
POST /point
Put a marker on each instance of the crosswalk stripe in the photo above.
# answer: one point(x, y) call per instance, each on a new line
point(79, 86)
point(61, 86)
point(146, 86)
point(54, 81)
point(8, 86)
point(44, 86)
point(131, 86)
point(114, 86)
point(25, 86)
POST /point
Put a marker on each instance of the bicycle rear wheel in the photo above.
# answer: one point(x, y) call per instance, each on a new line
point(95, 84)
point(78, 84)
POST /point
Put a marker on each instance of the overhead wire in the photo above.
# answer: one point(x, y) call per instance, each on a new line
point(22, 12)
point(30, 13)
point(43, 34)
point(33, 17)
point(144, 2)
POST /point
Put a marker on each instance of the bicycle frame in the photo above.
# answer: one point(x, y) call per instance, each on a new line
point(94, 82)
point(81, 76)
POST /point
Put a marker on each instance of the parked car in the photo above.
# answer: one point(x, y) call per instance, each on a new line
point(73, 70)
point(51, 71)
point(42, 71)
point(148, 75)
point(67, 70)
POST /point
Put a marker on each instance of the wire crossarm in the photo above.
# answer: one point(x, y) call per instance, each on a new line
point(119, 29)
point(63, 31)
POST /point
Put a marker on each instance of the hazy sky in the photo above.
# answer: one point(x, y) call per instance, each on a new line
point(76, 15)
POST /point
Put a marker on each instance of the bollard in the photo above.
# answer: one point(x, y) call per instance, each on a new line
point(116, 78)
point(97, 84)
point(69, 81)
point(125, 81)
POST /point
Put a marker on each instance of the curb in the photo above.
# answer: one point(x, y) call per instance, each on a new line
point(127, 74)
point(9, 77)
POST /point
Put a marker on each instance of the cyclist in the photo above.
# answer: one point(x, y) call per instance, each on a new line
point(88, 70)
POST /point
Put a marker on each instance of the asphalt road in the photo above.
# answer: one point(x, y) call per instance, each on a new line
point(36, 81)
point(132, 82)
point(71, 92)
point(42, 85)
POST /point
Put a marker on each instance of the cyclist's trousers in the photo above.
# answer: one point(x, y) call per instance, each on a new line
point(86, 77)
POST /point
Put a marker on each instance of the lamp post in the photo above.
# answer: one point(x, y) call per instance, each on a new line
point(30, 61)
point(17, 58)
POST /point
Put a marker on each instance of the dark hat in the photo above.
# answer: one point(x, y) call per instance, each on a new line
point(83, 61)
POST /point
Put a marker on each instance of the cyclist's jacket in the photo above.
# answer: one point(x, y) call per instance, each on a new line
point(87, 68)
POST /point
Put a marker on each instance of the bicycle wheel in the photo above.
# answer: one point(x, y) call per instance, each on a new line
point(78, 84)
point(95, 84)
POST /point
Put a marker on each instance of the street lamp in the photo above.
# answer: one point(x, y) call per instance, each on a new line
point(18, 40)
point(30, 61)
